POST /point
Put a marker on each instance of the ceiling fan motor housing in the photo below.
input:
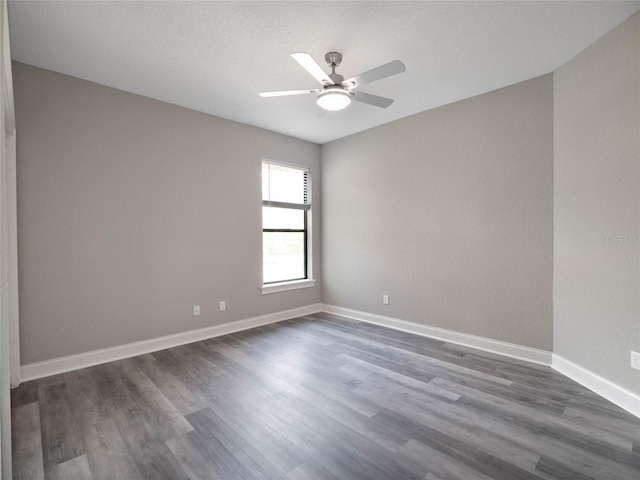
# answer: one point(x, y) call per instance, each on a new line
point(333, 59)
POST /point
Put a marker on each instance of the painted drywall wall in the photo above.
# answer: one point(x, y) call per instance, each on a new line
point(449, 212)
point(597, 206)
point(131, 211)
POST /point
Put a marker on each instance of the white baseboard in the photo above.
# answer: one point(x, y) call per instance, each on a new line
point(512, 350)
point(616, 394)
point(32, 371)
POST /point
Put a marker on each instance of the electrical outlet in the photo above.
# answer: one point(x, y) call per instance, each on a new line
point(196, 310)
point(385, 299)
point(223, 306)
point(635, 359)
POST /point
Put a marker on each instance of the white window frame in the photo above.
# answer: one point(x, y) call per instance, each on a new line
point(305, 282)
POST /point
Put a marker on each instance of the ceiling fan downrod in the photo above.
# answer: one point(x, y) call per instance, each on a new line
point(334, 59)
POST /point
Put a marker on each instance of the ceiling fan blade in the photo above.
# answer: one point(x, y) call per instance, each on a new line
point(375, 100)
point(310, 65)
point(378, 73)
point(283, 93)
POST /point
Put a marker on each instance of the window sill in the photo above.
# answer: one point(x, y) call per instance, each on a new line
point(285, 286)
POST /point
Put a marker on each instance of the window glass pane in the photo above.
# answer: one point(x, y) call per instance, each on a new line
point(283, 184)
point(283, 256)
point(282, 218)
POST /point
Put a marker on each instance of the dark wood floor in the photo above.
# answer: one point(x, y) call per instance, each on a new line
point(319, 398)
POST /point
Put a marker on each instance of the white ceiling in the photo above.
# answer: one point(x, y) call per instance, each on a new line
point(216, 56)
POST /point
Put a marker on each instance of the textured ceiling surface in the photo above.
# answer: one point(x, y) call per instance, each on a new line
point(216, 56)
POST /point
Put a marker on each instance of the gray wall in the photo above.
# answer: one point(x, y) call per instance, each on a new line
point(131, 211)
point(449, 212)
point(597, 206)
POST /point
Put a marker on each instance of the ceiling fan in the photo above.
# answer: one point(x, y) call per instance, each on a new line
point(336, 92)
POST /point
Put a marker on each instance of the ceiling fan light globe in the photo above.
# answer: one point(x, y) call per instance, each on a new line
point(333, 99)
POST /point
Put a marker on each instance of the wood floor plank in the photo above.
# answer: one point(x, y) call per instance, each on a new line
point(219, 458)
point(61, 438)
point(197, 466)
point(27, 393)
point(358, 458)
point(76, 469)
point(558, 470)
point(26, 442)
point(617, 446)
point(356, 421)
point(481, 435)
point(334, 403)
point(320, 398)
point(431, 476)
point(140, 433)
point(167, 418)
point(373, 373)
point(445, 466)
point(602, 422)
point(253, 427)
point(302, 473)
point(184, 400)
point(107, 454)
point(310, 471)
point(284, 371)
point(253, 463)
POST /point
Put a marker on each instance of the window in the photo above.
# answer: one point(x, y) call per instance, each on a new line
point(286, 212)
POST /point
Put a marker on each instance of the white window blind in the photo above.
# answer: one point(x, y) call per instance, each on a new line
point(285, 187)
